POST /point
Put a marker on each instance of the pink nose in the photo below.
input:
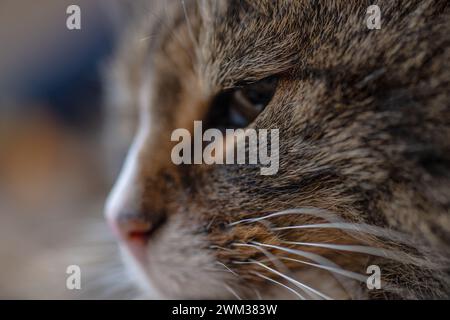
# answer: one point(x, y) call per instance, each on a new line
point(133, 220)
point(135, 231)
point(131, 229)
point(135, 228)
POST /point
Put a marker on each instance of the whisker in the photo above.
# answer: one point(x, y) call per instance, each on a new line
point(233, 292)
point(272, 258)
point(378, 252)
point(269, 255)
point(258, 294)
point(227, 268)
point(356, 227)
point(297, 283)
point(346, 273)
point(280, 284)
point(334, 223)
point(307, 211)
point(349, 274)
point(311, 256)
point(220, 248)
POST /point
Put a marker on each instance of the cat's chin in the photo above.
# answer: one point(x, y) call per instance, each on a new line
point(162, 281)
point(138, 275)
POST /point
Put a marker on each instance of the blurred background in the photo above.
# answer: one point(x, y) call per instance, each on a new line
point(54, 175)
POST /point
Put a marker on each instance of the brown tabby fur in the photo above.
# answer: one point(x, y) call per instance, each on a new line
point(364, 120)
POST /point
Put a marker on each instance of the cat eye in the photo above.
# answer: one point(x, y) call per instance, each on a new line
point(238, 107)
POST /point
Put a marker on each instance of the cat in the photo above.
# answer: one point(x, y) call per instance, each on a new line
point(364, 149)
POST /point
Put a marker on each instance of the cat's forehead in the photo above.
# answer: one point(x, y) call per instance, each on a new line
point(247, 41)
point(228, 42)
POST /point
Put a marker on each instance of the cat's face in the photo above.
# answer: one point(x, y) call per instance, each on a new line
point(183, 228)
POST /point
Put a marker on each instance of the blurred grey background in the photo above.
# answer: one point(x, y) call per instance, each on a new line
point(53, 177)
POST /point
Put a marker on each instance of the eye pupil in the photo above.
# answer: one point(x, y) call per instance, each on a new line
point(239, 107)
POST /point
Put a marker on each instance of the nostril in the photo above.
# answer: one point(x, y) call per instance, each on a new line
point(137, 229)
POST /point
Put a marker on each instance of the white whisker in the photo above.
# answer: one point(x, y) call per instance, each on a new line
point(221, 248)
point(304, 287)
point(269, 255)
point(258, 294)
point(335, 222)
point(346, 273)
point(311, 256)
point(233, 292)
point(306, 211)
point(356, 227)
point(280, 284)
point(378, 252)
point(227, 268)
